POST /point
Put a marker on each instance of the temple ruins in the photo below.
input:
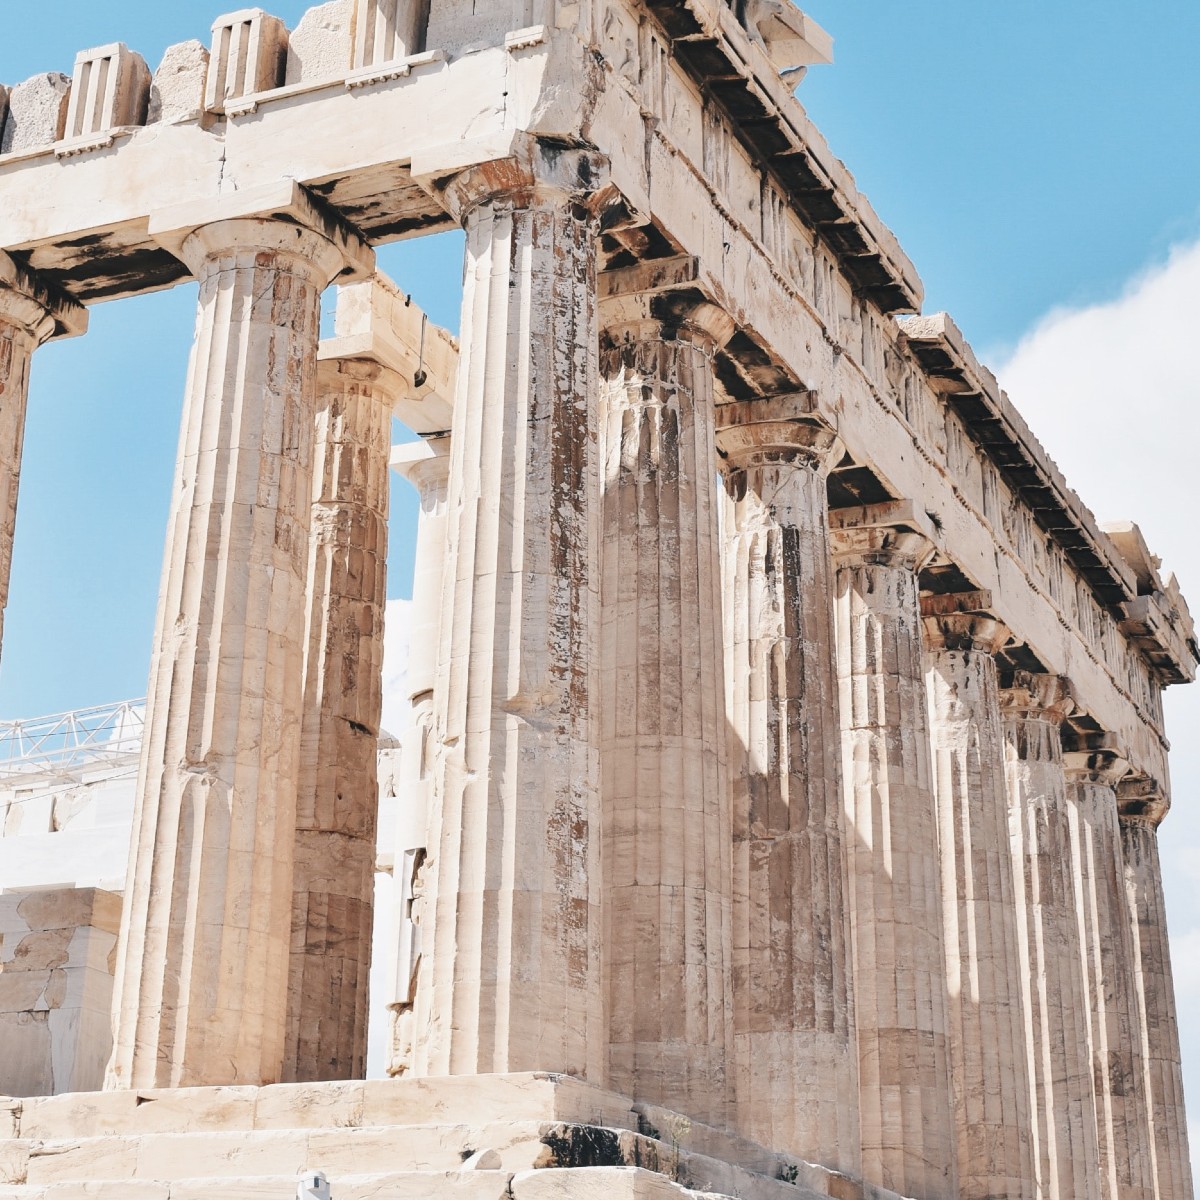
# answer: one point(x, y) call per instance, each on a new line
point(777, 810)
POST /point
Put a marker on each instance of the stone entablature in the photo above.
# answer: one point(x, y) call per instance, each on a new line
point(643, 843)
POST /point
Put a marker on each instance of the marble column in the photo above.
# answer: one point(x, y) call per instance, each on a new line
point(989, 1063)
point(202, 978)
point(1142, 806)
point(1053, 970)
point(338, 795)
point(426, 465)
point(796, 1061)
point(895, 893)
point(29, 316)
point(516, 982)
point(1118, 1052)
point(662, 715)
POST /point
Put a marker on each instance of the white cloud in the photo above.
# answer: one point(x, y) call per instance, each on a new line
point(1113, 393)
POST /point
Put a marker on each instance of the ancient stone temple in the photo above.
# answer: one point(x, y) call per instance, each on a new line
point(777, 811)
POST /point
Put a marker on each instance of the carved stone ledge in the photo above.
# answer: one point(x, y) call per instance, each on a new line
point(1039, 697)
point(1100, 758)
point(1142, 799)
point(777, 429)
point(44, 314)
point(896, 534)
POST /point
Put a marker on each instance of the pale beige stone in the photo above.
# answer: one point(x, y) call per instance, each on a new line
point(797, 1062)
point(1126, 1148)
point(667, 838)
point(1143, 807)
point(988, 1055)
point(337, 797)
point(37, 113)
point(201, 993)
point(1052, 957)
point(895, 892)
point(110, 89)
point(388, 31)
point(515, 981)
point(249, 55)
point(177, 89)
point(319, 47)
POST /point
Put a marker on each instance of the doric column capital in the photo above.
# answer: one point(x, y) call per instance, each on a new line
point(1099, 758)
point(962, 621)
point(424, 463)
point(331, 372)
point(1141, 799)
point(1037, 696)
point(282, 221)
point(27, 303)
point(534, 175)
point(895, 534)
point(753, 433)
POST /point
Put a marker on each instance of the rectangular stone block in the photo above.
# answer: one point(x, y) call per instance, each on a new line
point(249, 55)
point(386, 31)
point(110, 89)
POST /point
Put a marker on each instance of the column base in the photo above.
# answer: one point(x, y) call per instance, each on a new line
point(480, 1137)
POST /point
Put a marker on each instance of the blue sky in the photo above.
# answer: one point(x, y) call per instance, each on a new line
point(1039, 162)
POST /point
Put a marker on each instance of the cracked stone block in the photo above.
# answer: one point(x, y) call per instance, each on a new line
point(177, 90)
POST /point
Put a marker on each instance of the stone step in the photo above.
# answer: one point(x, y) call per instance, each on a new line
point(403, 1185)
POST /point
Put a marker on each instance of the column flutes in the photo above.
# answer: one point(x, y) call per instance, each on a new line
point(338, 793)
point(1053, 965)
point(516, 982)
point(29, 316)
point(989, 1062)
point(201, 992)
point(666, 813)
point(1118, 1053)
point(1142, 806)
point(797, 1065)
point(908, 1138)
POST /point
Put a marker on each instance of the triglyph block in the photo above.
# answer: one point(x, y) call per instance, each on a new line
point(249, 55)
point(386, 31)
point(110, 89)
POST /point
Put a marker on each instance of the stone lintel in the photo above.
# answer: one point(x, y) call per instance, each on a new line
point(287, 202)
point(1141, 798)
point(1037, 696)
point(376, 322)
point(47, 314)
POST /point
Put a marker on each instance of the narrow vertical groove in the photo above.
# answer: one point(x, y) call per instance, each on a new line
point(511, 981)
point(337, 797)
point(989, 1060)
point(1053, 964)
point(793, 1000)
point(895, 888)
point(1147, 909)
point(666, 824)
point(202, 970)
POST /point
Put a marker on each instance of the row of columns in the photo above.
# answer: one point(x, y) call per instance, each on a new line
point(720, 818)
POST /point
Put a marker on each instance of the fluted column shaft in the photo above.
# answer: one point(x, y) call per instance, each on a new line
point(796, 1060)
point(1052, 962)
point(987, 1019)
point(1142, 809)
point(27, 320)
point(338, 794)
point(427, 467)
point(201, 992)
point(1118, 1051)
point(516, 979)
point(665, 802)
point(895, 892)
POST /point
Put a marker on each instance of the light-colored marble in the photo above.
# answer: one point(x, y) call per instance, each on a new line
point(1053, 969)
point(201, 991)
point(895, 893)
point(988, 1055)
point(796, 1059)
